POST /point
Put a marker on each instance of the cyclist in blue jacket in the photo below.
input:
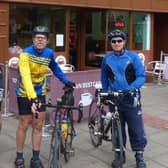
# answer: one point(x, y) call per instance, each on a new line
point(122, 70)
point(34, 62)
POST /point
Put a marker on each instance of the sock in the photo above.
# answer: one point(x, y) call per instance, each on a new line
point(139, 152)
point(139, 156)
point(35, 155)
point(19, 155)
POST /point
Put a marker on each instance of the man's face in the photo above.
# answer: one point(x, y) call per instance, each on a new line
point(117, 44)
point(40, 41)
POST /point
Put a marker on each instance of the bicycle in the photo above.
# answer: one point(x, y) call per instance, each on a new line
point(98, 130)
point(63, 131)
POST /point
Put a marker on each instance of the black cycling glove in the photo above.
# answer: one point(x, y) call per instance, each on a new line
point(70, 84)
point(37, 103)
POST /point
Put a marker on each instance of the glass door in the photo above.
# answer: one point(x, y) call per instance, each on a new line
point(95, 38)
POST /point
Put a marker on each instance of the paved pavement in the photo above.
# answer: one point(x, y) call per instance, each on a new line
point(155, 109)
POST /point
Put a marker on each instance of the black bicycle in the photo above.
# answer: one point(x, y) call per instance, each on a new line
point(63, 131)
point(99, 127)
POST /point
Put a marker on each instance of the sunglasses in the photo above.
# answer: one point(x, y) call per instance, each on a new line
point(116, 41)
point(40, 37)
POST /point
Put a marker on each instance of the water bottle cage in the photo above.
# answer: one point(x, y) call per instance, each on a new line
point(116, 115)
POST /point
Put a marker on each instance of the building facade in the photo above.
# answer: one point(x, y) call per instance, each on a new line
point(79, 28)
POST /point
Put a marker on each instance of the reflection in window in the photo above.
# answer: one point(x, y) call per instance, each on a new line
point(23, 18)
point(141, 31)
point(95, 37)
point(118, 20)
point(59, 28)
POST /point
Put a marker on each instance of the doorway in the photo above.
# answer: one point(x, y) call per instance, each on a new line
point(76, 38)
point(87, 38)
point(161, 34)
point(73, 41)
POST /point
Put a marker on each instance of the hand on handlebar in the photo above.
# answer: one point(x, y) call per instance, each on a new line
point(80, 116)
point(70, 84)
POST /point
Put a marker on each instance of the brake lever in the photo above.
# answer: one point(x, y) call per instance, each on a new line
point(36, 112)
point(80, 113)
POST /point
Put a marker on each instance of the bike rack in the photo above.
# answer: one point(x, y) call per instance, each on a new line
point(6, 99)
point(46, 131)
point(47, 127)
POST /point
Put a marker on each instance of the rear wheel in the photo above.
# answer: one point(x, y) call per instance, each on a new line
point(95, 124)
point(117, 142)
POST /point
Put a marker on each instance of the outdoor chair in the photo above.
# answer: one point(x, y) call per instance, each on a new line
point(142, 57)
point(61, 60)
point(13, 62)
point(155, 69)
point(158, 69)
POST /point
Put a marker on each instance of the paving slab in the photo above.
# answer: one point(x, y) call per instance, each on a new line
point(155, 113)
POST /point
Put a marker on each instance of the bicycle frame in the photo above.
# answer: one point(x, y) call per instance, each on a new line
point(98, 131)
point(56, 140)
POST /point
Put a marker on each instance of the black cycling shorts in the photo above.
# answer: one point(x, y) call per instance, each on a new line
point(24, 105)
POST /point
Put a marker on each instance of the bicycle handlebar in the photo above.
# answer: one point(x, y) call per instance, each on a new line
point(118, 93)
point(115, 94)
point(59, 106)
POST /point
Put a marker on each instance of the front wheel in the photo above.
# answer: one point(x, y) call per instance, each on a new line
point(95, 124)
point(117, 143)
point(67, 148)
point(55, 151)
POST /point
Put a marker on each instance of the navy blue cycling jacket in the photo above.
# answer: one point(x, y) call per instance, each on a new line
point(122, 72)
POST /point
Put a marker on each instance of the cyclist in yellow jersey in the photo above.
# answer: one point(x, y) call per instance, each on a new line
point(34, 62)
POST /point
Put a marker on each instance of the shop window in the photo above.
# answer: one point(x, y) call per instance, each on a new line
point(141, 31)
point(73, 38)
point(95, 37)
point(118, 20)
point(23, 18)
point(59, 32)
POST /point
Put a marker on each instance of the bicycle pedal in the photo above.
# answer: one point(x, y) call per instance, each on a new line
point(97, 133)
point(106, 137)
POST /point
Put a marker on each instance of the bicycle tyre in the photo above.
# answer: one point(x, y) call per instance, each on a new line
point(95, 124)
point(55, 151)
point(67, 143)
point(117, 143)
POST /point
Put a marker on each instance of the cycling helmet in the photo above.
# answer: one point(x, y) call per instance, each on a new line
point(41, 30)
point(117, 33)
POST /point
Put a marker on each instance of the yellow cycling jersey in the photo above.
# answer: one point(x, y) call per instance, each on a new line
point(33, 67)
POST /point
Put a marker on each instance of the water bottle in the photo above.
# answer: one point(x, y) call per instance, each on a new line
point(64, 128)
point(108, 117)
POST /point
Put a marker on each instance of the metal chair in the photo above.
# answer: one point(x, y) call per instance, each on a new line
point(155, 69)
point(61, 60)
point(158, 69)
point(142, 57)
point(13, 62)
